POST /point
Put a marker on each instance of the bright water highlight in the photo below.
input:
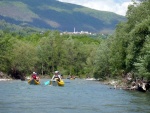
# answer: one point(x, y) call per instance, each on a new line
point(77, 96)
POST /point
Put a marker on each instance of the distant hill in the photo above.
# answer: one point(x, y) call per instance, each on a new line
point(55, 15)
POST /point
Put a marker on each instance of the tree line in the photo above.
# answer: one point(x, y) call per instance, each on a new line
point(45, 53)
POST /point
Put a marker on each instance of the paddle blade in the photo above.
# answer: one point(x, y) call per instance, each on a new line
point(47, 83)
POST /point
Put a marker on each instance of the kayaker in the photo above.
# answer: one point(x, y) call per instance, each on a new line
point(34, 75)
point(56, 76)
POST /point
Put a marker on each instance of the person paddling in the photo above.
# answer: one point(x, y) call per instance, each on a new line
point(34, 76)
point(56, 76)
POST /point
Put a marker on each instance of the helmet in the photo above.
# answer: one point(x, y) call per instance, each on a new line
point(34, 73)
point(56, 71)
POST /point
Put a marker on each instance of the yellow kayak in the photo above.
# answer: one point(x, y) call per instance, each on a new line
point(33, 82)
point(72, 78)
point(56, 82)
point(60, 83)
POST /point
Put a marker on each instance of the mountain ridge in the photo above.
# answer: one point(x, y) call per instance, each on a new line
point(55, 15)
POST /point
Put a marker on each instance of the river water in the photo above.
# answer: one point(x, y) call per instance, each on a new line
point(77, 96)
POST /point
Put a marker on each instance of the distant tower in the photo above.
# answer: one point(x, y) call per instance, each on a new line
point(74, 30)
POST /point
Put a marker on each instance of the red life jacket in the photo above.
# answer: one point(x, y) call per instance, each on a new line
point(34, 76)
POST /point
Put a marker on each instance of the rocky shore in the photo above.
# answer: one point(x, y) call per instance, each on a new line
point(128, 83)
point(4, 77)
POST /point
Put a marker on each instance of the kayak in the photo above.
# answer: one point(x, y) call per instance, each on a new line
point(33, 82)
point(60, 83)
point(56, 83)
point(72, 78)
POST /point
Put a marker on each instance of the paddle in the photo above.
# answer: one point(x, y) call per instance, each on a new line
point(47, 82)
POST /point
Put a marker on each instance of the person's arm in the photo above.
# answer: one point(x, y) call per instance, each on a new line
point(59, 76)
point(53, 77)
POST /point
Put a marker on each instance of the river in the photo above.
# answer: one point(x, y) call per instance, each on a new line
point(77, 96)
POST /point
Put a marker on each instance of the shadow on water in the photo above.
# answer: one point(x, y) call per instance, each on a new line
point(77, 96)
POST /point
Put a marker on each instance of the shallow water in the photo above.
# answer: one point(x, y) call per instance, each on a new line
point(77, 96)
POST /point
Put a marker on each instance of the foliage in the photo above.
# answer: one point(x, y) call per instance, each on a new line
point(23, 56)
point(143, 63)
point(128, 48)
point(102, 65)
point(6, 43)
point(47, 52)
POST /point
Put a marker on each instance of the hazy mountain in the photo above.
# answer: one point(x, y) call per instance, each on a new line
point(55, 15)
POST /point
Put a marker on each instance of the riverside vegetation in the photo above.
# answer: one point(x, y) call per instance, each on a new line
point(127, 50)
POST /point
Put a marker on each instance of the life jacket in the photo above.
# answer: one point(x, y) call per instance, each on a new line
point(34, 76)
point(56, 76)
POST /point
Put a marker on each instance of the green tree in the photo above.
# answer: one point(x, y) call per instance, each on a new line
point(23, 56)
point(143, 63)
point(102, 64)
point(6, 42)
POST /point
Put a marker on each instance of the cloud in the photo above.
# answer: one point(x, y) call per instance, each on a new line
point(117, 6)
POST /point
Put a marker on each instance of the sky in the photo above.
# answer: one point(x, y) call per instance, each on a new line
point(117, 6)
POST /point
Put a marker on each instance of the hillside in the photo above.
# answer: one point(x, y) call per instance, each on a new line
point(55, 15)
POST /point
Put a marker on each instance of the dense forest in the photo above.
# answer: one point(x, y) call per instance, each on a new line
point(127, 50)
point(47, 52)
